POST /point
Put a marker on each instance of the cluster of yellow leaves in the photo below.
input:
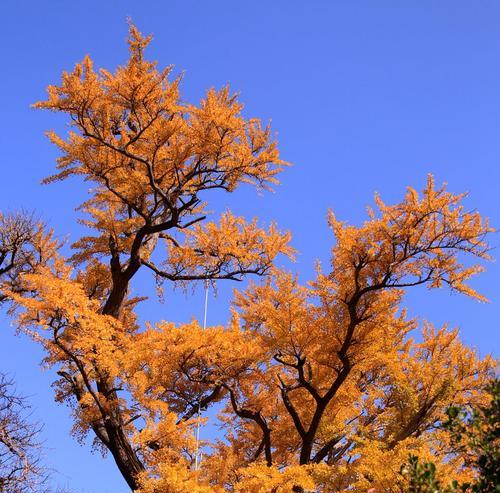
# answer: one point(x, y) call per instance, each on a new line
point(226, 250)
point(150, 154)
point(174, 477)
point(415, 241)
point(151, 158)
point(260, 478)
point(62, 307)
point(182, 363)
point(79, 341)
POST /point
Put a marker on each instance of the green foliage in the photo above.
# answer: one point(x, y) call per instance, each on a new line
point(421, 477)
point(478, 432)
point(476, 435)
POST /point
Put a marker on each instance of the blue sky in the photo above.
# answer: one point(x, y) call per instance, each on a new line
point(364, 96)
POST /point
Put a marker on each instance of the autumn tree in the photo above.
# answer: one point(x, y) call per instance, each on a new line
point(323, 386)
point(152, 160)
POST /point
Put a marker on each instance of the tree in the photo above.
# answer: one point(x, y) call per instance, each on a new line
point(322, 386)
point(476, 432)
point(21, 469)
point(151, 159)
point(421, 478)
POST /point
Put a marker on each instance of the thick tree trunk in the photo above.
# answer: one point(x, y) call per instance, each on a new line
point(125, 457)
point(118, 443)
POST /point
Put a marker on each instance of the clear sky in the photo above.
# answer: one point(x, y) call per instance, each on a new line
point(364, 96)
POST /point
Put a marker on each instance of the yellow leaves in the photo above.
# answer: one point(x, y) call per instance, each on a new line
point(280, 313)
point(221, 110)
point(173, 477)
point(415, 242)
point(428, 376)
point(77, 87)
point(183, 363)
point(458, 366)
point(68, 322)
point(225, 250)
point(133, 119)
point(262, 479)
point(334, 357)
point(243, 149)
point(458, 277)
point(168, 436)
point(340, 349)
point(150, 156)
point(378, 467)
point(137, 43)
point(259, 478)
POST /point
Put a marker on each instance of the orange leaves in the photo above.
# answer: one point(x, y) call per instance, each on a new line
point(69, 323)
point(226, 250)
point(243, 149)
point(280, 314)
point(182, 365)
point(444, 231)
point(150, 156)
point(151, 159)
point(348, 384)
point(319, 387)
point(259, 478)
point(458, 366)
point(137, 43)
point(134, 137)
point(415, 242)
